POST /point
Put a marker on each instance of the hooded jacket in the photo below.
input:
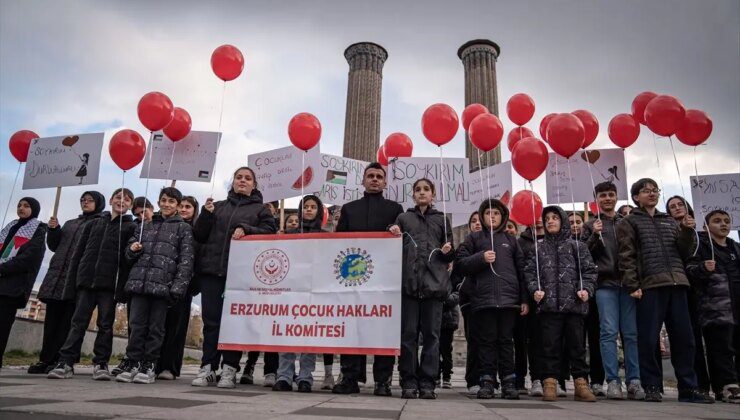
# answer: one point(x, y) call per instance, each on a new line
point(61, 241)
point(164, 265)
point(500, 285)
point(214, 229)
point(309, 226)
point(561, 259)
point(424, 277)
point(716, 296)
point(605, 253)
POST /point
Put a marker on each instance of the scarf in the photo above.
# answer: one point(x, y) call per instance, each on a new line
point(21, 235)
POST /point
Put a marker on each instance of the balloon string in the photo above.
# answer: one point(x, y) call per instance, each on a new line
point(578, 235)
point(660, 172)
point(218, 139)
point(593, 188)
point(557, 179)
point(701, 210)
point(488, 193)
point(172, 157)
point(148, 175)
point(10, 197)
point(534, 237)
point(303, 169)
point(678, 171)
point(444, 204)
point(120, 223)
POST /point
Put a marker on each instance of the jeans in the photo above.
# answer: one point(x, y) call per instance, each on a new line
point(87, 301)
point(286, 367)
point(148, 314)
point(618, 315)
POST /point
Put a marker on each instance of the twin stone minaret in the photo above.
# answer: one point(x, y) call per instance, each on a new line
point(362, 121)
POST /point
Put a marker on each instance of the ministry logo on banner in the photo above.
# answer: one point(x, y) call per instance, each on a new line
point(271, 266)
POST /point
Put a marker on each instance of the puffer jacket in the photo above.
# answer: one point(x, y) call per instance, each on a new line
point(164, 266)
point(214, 230)
point(505, 288)
point(653, 250)
point(716, 297)
point(18, 274)
point(98, 260)
point(560, 259)
point(604, 252)
point(425, 278)
point(61, 241)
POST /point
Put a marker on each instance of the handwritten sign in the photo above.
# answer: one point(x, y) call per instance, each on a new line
point(63, 161)
point(190, 159)
point(279, 174)
point(454, 172)
point(496, 181)
point(341, 179)
point(713, 192)
point(606, 165)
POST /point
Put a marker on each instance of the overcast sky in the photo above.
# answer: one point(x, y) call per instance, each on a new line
point(81, 66)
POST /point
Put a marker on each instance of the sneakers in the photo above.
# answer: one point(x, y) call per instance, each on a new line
point(270, 380)
point(206, 377)
point(536, 389)
point(118, 369)
point(282, 385)
point(473, 390)
point(508, 390)
point(248, 376)
point(410, 393)
point(446, 383)
point(328, 382)
point(652, 394)
point(146, 374)
point(382, 389)
point(345, 387)
point(228, 377)
point(486, 390)
point(61, 371)
point(598, 390)
point(129, 372)
point(635, 391)
point(730, 394)
point(614, 390)
point(100, 372)
point(695, 396)
point(166, 375)
point(304, 386)
point(427, 394)
point(38, 368)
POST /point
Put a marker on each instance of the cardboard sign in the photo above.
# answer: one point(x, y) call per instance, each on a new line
point(496, 179)
point(190, 159)
point(314, 293)
point(713, 192)
point(63, 161)
point(341, 179)
point(606, 165)
point(279, 174)
point(456, 175)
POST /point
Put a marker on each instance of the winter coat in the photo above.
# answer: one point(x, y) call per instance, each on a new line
point(652, 250)
point(371, 213)
point(214, 230)
point(18, 274)
point(605, 252)
point(451, 312)
point(194, 285)
point(98, 260)
point(505, 288)
point(461, 287)
point(716, 297)
point(424, 234)
point(164, 265)
point(309, 226)
point(560, 259)
point(61, 241)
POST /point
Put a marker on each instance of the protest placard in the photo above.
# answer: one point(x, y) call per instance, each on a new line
point(63, 161)
point(606, 165)
point(314, 293)
point(193, 159)
point(278, 172)
point(716, 192)
point(455, 172)
point(496, 180)
point(341, 179)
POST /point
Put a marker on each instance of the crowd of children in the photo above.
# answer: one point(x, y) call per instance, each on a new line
point(555, 300)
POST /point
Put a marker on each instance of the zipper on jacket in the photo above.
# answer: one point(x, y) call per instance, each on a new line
point(662, 248)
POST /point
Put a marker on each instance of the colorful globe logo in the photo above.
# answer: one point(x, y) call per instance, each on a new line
point(353, 267)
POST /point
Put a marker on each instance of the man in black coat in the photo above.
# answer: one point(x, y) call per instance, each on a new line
point(371, 213)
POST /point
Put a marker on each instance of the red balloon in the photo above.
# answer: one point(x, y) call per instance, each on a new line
point(543, 125)
point(19, 144)
point(664, 115)
point(127, 149)
point(470, 112)
point(530, 158)
point(639, 104)
point(695, 128)
point(397, 145)
point(486, 132)
point(624, 130)
point(155, 111)
point(381, 157)
point(439, 124)
point(180, 125)
point(227, 62)
point(565, 133)
point(520, 108)
point(522, 210)
point(517, 134)
point(590, 126)
point(304, 130)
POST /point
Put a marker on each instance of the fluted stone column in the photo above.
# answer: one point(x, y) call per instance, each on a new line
point(362, 121)
point(479, 60)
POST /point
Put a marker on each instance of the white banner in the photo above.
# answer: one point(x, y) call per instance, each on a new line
point(279, 174)
point(314, 293)
point(193, 158)
point(341, 179)
point(716, 192)
point(496, 180)
point(63, 161)
point(606, 165)
point(456, 173)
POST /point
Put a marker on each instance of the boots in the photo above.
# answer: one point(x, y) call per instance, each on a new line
point(550, 389)
point(583, 392)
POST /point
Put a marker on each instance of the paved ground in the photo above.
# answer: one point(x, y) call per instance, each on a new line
point(33, 397)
